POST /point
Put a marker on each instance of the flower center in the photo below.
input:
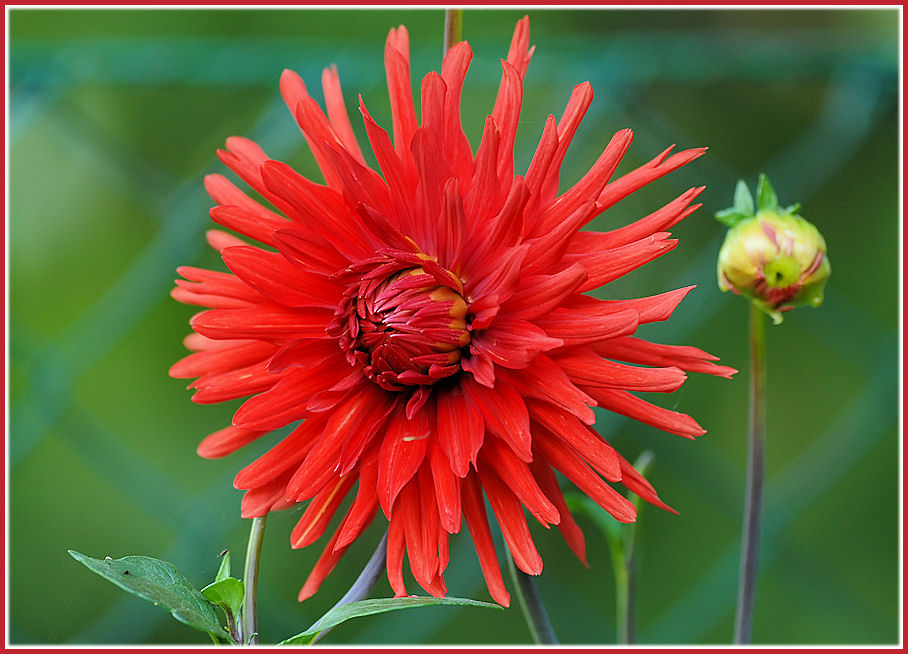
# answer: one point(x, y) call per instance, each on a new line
point(403, 320)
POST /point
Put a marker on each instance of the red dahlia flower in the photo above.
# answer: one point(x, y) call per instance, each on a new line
point(429, 325)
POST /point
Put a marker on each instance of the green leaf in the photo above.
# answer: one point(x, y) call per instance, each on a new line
point(226, 592)
point(224, 570)
point(731, 217)
point(343, 613)
point(744, 202)
point(767, 200)
point(159, 582)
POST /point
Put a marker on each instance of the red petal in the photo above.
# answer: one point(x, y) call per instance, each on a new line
point(394, 558)
point(337, 112)
point(501, 459)
point(545, 380)
point(512, 343)
point(640, 177)
point(303, 353)
point(215, 361)
point(580, 100)
point(266, 320)
point(587, 189)
point(275, 277)
point(319, 512)
point(397, 68)
point(460, 428)
point(447, 488)
point(310, 251)
point(323, 567)
point(636, 483)
point(539, 295)
point(633, 407)
point(233, 384)
point(350, 418)
point(248, 223)
point(364, 507)
point(226, 441)
point(284, 456)
point(453, 72)
point(474, 510)
point(402, 452)
point(509, 513)
point(582, 438)
point(576, 328)
point(565, 458)
point(209, 283)
point(649, 309)
point(323, 208)
point(658, 221)
point(504, 414)
point(286, 400)
point(636, 350)
point(569, 528)
point(586, 368)
point(606, 266)
point(260, 501)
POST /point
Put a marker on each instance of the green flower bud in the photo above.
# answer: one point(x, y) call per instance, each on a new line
point(772, 255)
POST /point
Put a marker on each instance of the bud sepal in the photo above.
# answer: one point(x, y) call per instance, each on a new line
point(771, 255)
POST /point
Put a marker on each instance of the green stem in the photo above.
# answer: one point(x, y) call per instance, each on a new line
point(251, 579)
point(453, 27)
point(533, 609)
point(750, 544)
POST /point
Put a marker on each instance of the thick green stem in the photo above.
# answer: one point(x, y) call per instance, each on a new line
point(453, 27)
point(750, 541)
point(533, 609)
point(251, 579)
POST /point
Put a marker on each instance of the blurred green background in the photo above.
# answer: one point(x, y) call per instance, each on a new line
point(114, 117)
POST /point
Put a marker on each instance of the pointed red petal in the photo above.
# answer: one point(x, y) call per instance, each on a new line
point(474, 511)
point(402, 451)
point(226, 441)
point(569, 528)
point(633, 407)
point(501, 459)
point(460, 428)
point(504, 414)
point(276, 278)
point(582, 438)
point(545, 380)
point(568, 461)
point(509, 513)
point(319, 512)
point(282, 457)
point(323, 567)
point(447, 488)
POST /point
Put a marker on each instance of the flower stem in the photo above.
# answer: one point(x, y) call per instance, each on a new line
point(453, 27)
point(364, 583)
point(533, 609)
point(623, 565)
point(750, 544)
point(251, 579)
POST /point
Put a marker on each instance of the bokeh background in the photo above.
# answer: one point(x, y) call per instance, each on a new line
point(114, 117)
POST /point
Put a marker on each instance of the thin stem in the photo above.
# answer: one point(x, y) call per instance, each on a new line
point(453, 27)
point(365, 582)
point(750, 544)
point(533, 609)
point(251, 580)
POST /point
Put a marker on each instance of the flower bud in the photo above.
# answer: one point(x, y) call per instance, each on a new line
point(771, 255)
